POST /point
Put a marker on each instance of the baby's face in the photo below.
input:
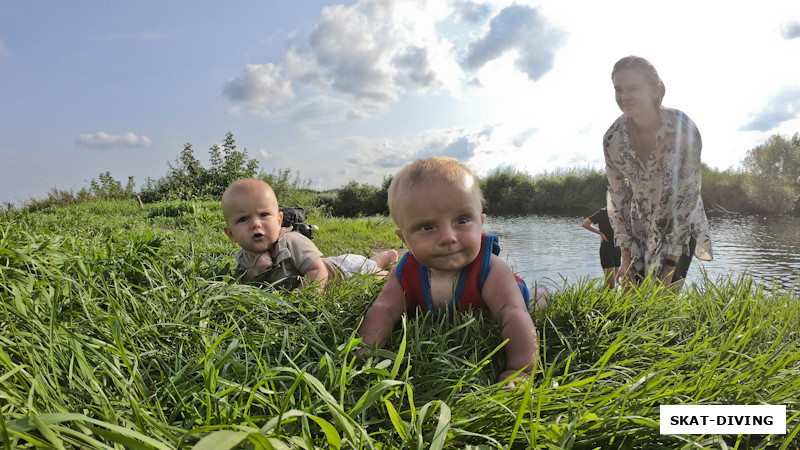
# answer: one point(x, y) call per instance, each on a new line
point(253, 219)
point(441, 223)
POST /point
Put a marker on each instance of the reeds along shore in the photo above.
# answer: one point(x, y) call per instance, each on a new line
point(125, 326)
point(507, 192)
point(766, 184)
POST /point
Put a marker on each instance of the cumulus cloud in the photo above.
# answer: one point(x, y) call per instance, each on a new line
point(784, 106)
point(355, 52)
point(323, 109)
point(522, 29)
point(353, 47)
point(111, 141)
point(791, 30)
point(414, 68)
point(520, 139)
point(362, 58)
point(259, 86)
point(367, 157)
point(469, 11)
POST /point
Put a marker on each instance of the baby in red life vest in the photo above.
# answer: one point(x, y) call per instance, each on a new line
point(437, 207)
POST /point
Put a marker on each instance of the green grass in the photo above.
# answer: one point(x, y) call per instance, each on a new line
point(123, 327)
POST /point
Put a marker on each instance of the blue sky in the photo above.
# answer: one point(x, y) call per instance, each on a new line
point(343, 91)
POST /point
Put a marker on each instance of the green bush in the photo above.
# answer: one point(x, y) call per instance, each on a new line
point(355, 200)
point(774, 169)
point(508, 191)
point(724, 191)
point(187, 179)
point(293, 191)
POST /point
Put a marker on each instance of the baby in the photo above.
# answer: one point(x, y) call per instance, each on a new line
point(253, 220)
point(436, 205)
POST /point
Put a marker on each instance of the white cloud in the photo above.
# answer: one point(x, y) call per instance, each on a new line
point(372, 53)
point(415, 69)
point(783, 107)
point(469, 11)
point(791, 30)
point(369, 159)
point(522, 29)
point(110, 141)
point(324, 109)
point(353, 48)
point(520, 139)
point(260, 86)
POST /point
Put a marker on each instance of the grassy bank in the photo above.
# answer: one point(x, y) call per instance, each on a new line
point(125, 327)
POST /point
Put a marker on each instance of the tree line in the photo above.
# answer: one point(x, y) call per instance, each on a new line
point(767, 183)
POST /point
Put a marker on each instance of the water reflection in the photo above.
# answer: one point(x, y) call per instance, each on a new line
point(550, 249)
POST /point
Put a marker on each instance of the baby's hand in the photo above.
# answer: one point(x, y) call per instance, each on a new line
point(363, 352)
point(510, 382)
point(262, 264)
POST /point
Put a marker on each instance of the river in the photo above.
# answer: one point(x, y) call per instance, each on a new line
point(553, 249)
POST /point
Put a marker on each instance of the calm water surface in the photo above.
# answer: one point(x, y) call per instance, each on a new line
point(552, 249)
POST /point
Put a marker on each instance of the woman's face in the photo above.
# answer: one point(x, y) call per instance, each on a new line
point(634, 93)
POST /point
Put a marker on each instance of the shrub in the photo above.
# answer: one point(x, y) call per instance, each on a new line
point(508, 191)
point(724, 191)
point(774, 182)
point(354, 200)
point(187, 179)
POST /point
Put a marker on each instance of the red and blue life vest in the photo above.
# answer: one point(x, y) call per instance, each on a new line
point(416, 283)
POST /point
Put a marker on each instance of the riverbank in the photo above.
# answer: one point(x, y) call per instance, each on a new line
point(125, 325)
point(555, 249)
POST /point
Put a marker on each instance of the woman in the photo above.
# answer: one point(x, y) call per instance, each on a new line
point(653, 168)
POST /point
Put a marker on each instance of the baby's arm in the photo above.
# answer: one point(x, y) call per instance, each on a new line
point(316, 274)
point(384, 313)
point(504, 299)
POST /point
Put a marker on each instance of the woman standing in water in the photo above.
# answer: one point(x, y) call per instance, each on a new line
point(652, 158)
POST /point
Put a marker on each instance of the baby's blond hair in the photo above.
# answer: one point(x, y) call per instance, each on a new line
point(435, 168)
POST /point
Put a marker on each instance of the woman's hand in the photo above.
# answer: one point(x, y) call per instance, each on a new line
point(625, 273)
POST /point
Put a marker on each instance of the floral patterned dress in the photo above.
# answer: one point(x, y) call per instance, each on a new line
point(655, 205)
